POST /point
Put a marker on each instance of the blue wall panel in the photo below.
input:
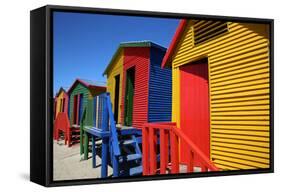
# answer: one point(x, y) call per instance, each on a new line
point(160, 88)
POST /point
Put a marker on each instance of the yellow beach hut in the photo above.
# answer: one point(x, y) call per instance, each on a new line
point(221, 90)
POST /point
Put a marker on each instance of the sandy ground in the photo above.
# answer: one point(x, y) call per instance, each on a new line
point(68, 164)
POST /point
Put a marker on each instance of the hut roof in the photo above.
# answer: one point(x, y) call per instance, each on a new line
point(87, 83)
point(60, 90)
point(173, 44)
point(145, 43)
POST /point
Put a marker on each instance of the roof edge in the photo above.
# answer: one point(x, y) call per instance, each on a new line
point(60, 90)
point(131, 44)
point(88, 85)
point(115, 55)
point(174, 43)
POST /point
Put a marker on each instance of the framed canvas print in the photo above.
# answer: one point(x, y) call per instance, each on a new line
point(120, 95)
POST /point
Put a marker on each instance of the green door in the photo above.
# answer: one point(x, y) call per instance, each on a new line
point(130, 86)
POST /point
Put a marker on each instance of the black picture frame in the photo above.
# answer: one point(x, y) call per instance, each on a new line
point(41, 94)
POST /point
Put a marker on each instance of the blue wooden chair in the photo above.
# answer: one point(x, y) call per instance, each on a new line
point(114, 141)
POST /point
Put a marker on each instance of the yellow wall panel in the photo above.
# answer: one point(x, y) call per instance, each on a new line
point(116, 69)
point(59, 102)
point(239, 92)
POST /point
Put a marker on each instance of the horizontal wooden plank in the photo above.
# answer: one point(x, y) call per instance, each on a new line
point(241, 161)
point(238, 81)
point(241, 108)
point(240, 89)
point(239, 57)
point(215, 43)
point(224, 44)
point(241, 103)
point(238, 141)
point(239, 122)
point(241, 127)
point(225, 167)
point(232, 68)
point(187, 42)
point(244, 149)
point(249, 61)
point(242, 137)
point(251, 47)
point(240, 113)
point(241, 70)
point(200, 24)
point(209, 36)
point(240, 118)
point(264, 151)
point(252, 160)
point(237, 76)
point(241, 132)
point(240, 99)
point(242, 94)
point(241, 44)
point(233, 164)
point(232, 25)
point(204, 32)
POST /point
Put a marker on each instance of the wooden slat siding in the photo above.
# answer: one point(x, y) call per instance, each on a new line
point(89, 120)
point(138, 57)
point(206, 30)
point(59, 103)
point(239, 92)
point(78, 90)
point(117, 69)
point(62, 95)
point(160, 88)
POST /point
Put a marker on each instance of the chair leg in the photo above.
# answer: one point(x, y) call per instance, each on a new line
point(81, 141)
point(105, 142)
point(86, 145)
point(94, 163)
point(69, 138)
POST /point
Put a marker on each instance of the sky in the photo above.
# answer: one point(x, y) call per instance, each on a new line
point(84, 43)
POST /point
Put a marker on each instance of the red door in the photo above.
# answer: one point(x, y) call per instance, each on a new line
point(194, 107)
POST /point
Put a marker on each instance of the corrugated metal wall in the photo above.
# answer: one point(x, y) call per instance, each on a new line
point(239, 89)
point(116, 70)
point(79, 88)
point(160, 88)
point(138, 57)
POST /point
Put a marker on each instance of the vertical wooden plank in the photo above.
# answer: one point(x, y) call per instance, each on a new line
point(190, 161)
point(81, 140)
point(167, 147)
point(69, 136)
point(145, 151)
point(152, 152)
point(163, 150)
point(86, 145)
point(174, 153)
point(104, 157)
point(115, 165)
point(94, 164)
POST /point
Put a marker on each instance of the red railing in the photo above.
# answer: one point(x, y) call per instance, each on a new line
point(167, 135)
point(62, 124)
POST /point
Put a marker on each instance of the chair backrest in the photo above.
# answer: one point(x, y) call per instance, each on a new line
point(100, 112)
